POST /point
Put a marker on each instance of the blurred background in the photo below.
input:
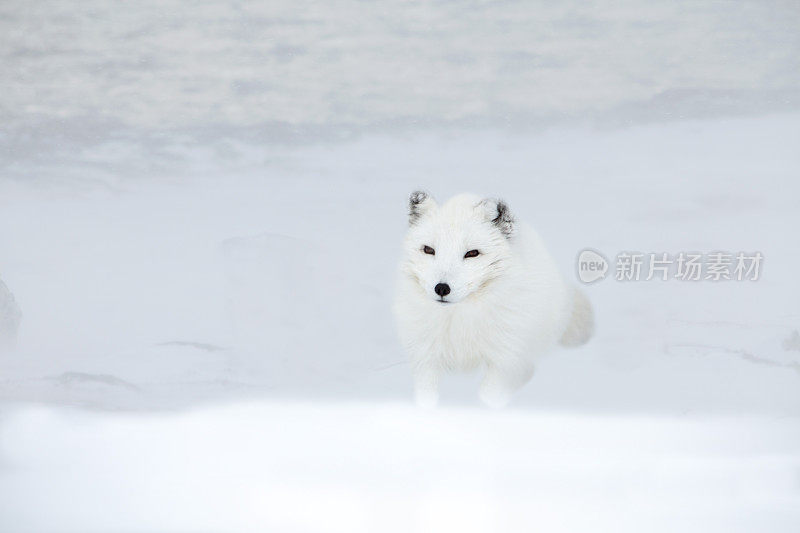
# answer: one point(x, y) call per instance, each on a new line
point(201, 211)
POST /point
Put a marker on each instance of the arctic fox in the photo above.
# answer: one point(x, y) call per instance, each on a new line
point(477, 289)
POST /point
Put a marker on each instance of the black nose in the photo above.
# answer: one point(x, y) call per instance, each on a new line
point(442, 289)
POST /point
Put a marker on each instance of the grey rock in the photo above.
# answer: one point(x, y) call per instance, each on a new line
point(792, 342)
point(10, 317)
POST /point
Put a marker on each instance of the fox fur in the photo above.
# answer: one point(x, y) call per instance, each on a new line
point(478, 290)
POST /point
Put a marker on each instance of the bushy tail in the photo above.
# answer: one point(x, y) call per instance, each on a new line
point(581, 322)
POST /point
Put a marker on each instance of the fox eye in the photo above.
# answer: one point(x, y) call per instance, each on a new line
point(471, 253)
point(428, 250)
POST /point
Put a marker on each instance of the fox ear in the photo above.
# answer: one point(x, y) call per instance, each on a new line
point(419, 203)
point(498, 213)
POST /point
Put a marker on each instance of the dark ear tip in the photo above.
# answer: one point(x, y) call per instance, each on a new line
point(502, 209)
point(504, 219)
point(414, 201)
point(417, 197)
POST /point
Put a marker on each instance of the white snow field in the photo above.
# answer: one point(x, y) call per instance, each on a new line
point(201, 209)
point(389, 467)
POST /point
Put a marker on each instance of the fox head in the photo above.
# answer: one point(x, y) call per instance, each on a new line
point(456, 250)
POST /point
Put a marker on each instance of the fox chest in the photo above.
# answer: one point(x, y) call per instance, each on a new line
point(465, 342)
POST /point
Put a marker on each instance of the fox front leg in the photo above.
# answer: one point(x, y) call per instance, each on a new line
point(426, 385)
point(502, 380)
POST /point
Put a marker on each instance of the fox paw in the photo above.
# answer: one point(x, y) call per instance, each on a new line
point(427, 399)
point(495, 398)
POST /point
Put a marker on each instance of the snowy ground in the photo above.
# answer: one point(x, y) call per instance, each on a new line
point(200, 214)
point(278, 280)
point(364, 468)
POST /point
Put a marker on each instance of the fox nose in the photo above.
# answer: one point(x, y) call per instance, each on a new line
point(442, 289)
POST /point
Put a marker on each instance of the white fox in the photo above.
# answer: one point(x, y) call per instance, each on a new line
point(479, 290)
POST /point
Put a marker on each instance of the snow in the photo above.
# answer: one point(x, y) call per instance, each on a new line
point(201, 208)
point(352, 467)
point(277, 281)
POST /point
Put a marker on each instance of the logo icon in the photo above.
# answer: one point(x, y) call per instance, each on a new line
point(592, 266)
